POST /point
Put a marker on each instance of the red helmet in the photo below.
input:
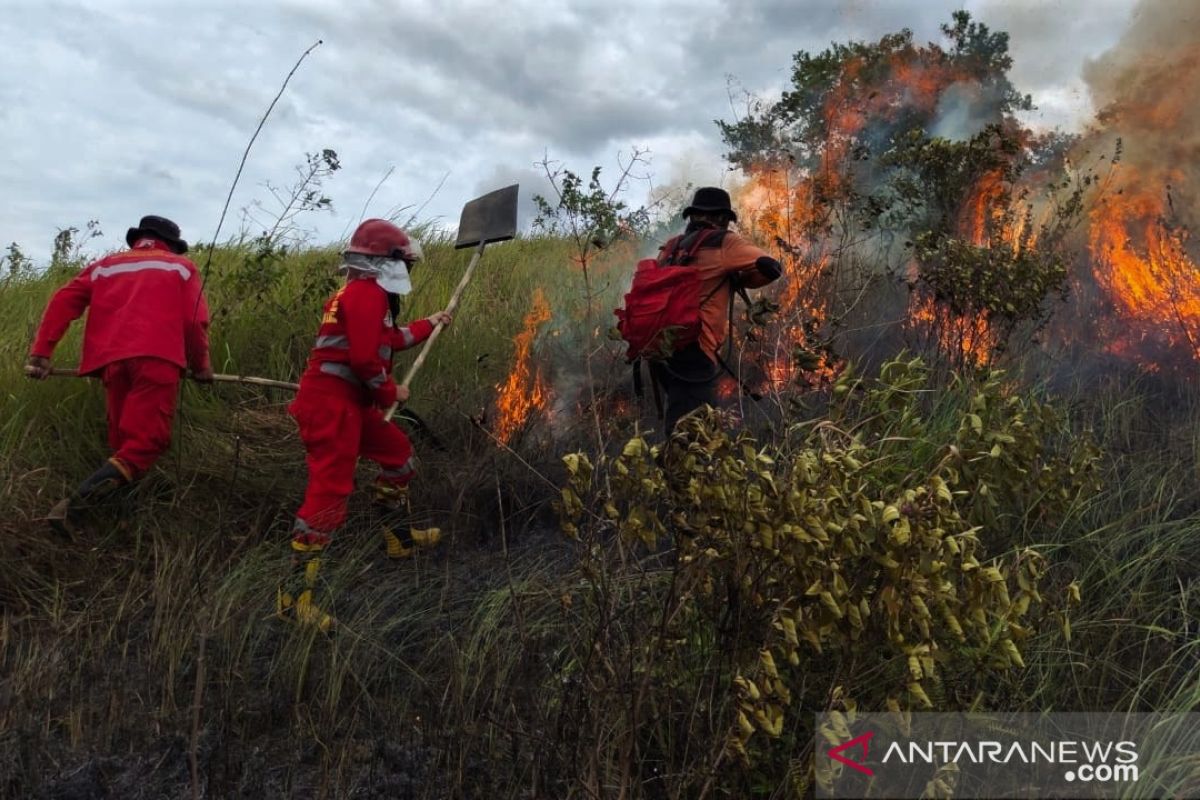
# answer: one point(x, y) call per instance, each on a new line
point(378, 237)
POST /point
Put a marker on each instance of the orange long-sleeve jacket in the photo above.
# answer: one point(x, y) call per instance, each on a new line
point(731, 256)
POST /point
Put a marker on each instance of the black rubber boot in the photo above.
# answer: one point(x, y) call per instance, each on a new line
point(67, 518)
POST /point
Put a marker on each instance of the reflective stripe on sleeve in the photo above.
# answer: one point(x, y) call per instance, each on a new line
point(334, 340)
point(139, 266)
point(345, 373)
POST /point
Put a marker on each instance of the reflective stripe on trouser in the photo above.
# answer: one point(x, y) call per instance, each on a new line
point(336, 431)
point(305, 538)
point(141, 395)
point(390, 481)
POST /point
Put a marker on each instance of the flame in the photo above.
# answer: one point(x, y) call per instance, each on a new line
point(525, 390)
point(984, 220)
point(775, 205)
point(982, 210)
point(912, 83)
point(1141, 263)
point(969, 336)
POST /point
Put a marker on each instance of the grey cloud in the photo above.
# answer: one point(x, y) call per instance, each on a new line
point(562, 79)
point(124, 106)
point(160, 175)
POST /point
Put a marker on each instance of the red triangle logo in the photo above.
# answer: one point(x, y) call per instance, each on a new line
point(836, 752)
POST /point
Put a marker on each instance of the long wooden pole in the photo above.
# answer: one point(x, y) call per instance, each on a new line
point(453, 304)
point(250, 379)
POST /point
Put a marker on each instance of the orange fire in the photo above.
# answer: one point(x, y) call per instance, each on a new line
point(971, 337)
point(1142, 264)
point(983, 221)
point(525, 390)
point(990, 216)
point(777, 206)
point(912, 83)
point(983, 208)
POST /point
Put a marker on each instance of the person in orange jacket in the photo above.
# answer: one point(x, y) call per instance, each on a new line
point(339, 409)
point(725, 261)
point(147, 321)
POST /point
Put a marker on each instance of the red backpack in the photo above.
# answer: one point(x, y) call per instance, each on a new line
point(662, 309)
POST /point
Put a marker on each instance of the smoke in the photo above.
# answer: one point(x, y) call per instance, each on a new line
point(693, 167)
point(965, 109)
point(1139, 219)
point(1145, 91)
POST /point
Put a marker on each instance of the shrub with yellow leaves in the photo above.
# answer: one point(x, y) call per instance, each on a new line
point(865, 555)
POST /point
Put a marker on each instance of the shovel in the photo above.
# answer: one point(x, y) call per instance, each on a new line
point(486, 219)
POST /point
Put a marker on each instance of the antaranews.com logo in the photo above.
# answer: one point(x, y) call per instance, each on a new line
point(1004, 755)
point(1081, 760)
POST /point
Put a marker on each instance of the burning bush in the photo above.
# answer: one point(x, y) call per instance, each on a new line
point(980, 294)
point(894, 165)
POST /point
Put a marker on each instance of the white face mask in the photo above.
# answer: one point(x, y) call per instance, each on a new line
point(393, 277)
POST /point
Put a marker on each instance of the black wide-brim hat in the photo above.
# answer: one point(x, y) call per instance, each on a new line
point(160, 228)
point(710, 198)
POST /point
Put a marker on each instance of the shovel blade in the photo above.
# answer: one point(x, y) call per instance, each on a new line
point(490, 218)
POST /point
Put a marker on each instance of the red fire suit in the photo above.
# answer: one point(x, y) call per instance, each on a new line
point(147, 320)
point(347, 382)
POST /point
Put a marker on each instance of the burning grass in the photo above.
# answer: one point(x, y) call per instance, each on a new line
point(1143, 264)
point(524, 391)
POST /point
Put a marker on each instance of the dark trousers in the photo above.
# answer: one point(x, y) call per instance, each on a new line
point(688, 379)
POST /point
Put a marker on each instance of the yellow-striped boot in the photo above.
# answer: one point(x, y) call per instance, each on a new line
point(400, 546)
point(294, 597)
point(399, 535)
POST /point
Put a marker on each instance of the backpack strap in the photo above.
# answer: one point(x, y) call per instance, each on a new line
point(673, 243)
point(639, 387)
point(701, 236)
point(698, 239)
point(723, 362)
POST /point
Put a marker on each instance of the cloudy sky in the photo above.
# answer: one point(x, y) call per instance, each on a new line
point(110, 109)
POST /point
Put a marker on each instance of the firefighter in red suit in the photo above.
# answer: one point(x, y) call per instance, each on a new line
point(340, 411)
point(147, 321)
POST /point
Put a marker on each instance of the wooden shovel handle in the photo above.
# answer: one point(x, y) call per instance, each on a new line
point(437, 330)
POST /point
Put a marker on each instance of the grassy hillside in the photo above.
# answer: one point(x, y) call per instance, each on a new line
point(518, 662)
